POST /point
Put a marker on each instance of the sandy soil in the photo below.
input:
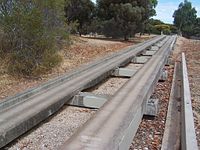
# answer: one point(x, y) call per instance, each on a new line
point(83, 50)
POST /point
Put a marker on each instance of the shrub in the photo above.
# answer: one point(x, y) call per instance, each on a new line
point(31, 30)
point(167, 31)
point(154, 30)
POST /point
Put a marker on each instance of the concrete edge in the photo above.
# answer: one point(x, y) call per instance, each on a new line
point(188, 135)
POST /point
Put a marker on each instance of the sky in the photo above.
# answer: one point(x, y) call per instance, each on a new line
point(166, 8)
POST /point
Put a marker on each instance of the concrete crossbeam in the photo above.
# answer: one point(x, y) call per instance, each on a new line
point(124, 72)
point(164, 76)
point(135, 66)
point(141, 59)
point(169, 61)
point(88, 100)
point(159, 44)
point(149, 53)
point(154, 48)
point(152, 107)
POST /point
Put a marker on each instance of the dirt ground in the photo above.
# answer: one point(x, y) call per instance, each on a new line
point(83, 50)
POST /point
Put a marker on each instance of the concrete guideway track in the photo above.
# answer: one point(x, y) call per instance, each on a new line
point(117, 121)
point(26, 110)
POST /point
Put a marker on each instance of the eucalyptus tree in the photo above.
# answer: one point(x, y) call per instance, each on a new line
point(29, 34)
point(123, 18)
point(185, 18)
point(81, 12)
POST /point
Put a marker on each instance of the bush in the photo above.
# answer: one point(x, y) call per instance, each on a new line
point(154, 30)
point(167, 31)
point(174, 29)
point(110, 29)
point(30, 31)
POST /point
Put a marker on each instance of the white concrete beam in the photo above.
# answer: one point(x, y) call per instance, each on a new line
point(88, 100)
point(124, 72)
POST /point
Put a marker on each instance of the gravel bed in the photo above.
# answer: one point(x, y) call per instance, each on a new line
point(51, 134)
point(134, 66)
point(109, 87)
point(113, 84)
point(150, 132)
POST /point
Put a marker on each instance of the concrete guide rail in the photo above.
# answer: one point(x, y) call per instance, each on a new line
point(115, 124)
point(188, 136)
point(19, 114)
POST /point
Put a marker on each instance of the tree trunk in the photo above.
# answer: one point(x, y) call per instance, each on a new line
point(80, 29)
point(125, 38)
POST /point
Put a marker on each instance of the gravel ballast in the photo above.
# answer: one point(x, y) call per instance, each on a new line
point(134, 66)
point(109, 87)
point(52, 133)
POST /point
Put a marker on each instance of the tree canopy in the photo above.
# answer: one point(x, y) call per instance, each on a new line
point(29, 34)
point(124, 17)
point(185, 18)
point(156, 26)
point(113, 18)
point(197, 28)
point(80, 11)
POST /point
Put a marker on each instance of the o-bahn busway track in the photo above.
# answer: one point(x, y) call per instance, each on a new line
point(117, 121)
point(21, 113)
